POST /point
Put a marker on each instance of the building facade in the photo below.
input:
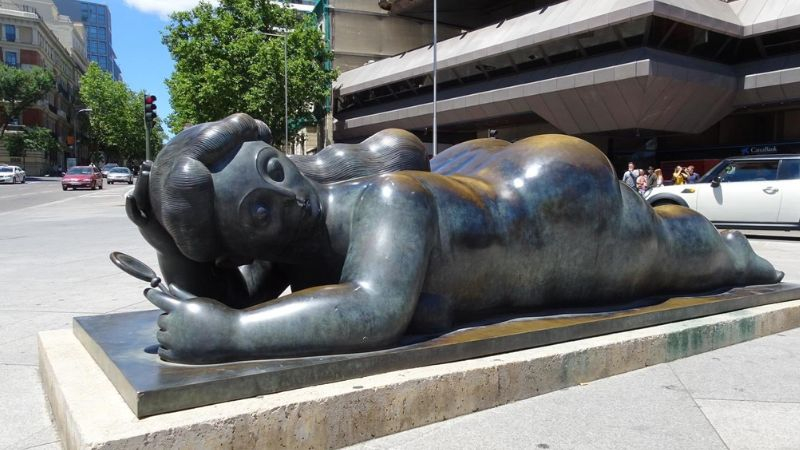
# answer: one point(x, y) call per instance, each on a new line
point(359, 32)
point(95, 18)
point(644, 80)
point(26, 41)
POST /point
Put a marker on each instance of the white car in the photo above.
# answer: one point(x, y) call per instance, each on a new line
point(748, 192)
point(12, 174)
point(119, 175)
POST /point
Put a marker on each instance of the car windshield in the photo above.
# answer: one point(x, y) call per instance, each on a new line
point(110, 166)
point(80, 171)
point(6, 169)
point(120, 170)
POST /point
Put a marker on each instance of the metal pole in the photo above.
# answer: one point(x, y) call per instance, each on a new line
point(146, 142)
point(435, 76)
point(74, 144)
point(286, 95)
point(285, 37)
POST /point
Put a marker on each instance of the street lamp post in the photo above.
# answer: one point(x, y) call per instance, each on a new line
point(435, 76)
point(75, 132)
point(285, 89)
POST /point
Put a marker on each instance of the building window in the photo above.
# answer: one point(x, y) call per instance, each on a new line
point(26, 35)
point(11, 33)
point(11, 59)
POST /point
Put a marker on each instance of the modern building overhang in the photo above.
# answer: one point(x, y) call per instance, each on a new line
point(639, 89)
point(572, 18)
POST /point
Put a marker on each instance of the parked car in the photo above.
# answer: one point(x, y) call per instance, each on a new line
point(120, 174)
point(82, 176)
point(12, 174)
point(107, 168)
point(748, 192)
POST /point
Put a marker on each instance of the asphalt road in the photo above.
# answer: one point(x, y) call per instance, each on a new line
point(44, 191)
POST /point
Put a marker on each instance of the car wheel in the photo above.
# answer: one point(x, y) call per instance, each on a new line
point(23, 180)
point(64, 188)
point(110, 182)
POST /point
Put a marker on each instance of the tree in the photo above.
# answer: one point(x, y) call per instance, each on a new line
point(20, 88)
point(117, 116)
point(36, 139)
point(226, 62)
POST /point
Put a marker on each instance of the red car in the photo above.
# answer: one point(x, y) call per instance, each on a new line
point(82, 176)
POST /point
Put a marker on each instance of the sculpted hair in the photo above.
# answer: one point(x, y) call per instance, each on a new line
point(181, 189)
point(390, 150)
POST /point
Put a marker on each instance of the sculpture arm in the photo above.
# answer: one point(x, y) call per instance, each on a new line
point(392, 233)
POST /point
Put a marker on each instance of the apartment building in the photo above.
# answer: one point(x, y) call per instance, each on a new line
point(27, 40)
point(95, 19)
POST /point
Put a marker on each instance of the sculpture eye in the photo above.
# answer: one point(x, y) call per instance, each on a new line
point(275, 170)
point(260, 213)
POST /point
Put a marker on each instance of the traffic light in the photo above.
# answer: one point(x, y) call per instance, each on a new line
point(149, 110)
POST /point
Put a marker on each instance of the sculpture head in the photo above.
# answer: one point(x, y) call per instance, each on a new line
point(224, 194)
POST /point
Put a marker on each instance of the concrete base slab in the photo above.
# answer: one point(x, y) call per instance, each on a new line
point(125, 347)
point(91, 414)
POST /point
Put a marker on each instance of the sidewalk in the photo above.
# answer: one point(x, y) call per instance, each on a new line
point(745, 396)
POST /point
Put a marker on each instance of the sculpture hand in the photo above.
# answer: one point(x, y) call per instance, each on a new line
point(137, 206)
point(194, 330)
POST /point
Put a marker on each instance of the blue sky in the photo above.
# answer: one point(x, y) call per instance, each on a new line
point(136, 33)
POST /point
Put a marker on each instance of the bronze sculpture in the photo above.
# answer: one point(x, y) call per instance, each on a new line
point(496, 226)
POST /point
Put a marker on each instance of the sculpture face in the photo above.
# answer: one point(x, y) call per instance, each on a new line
point(263, 203)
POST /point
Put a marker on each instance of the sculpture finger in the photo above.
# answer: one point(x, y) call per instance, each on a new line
point(179, 293)
point(141, 191)
point(163, 339)
point(165, 354)
point(161, 300)
point(133, 211)
point(163, 322)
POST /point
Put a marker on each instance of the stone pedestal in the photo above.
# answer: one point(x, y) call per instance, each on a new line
point(90, 412)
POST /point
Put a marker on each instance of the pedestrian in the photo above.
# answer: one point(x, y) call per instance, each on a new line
point(630, 175)
point(659, 178)
point(692, 177)
point(651, 177)
point(678, 176)
point(641, 182)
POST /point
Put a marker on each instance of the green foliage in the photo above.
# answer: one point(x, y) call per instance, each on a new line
point(32, 139)
point(225, 62)
point(117, 116)
point(20, 88)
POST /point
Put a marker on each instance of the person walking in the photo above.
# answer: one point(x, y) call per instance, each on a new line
point(678, 176)
point(629, 177)
point(692, 177)
point(641, 182)
point(651, 177)
point(659, 178)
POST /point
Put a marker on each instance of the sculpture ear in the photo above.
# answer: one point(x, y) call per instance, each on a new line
point(187, 210)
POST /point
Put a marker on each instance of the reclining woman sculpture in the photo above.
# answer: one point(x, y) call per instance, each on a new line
point(542, 222)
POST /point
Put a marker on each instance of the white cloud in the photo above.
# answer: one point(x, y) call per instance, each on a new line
point(161, 7)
